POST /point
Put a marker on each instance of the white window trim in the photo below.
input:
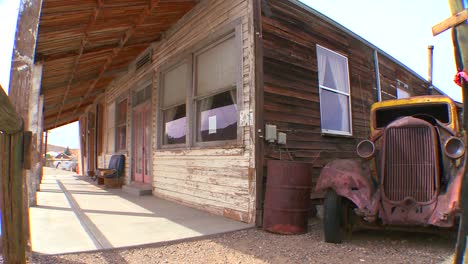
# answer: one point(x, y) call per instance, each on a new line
point(404, 88)
point(330, 131)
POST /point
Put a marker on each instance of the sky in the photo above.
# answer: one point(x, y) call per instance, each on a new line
point(401, 28)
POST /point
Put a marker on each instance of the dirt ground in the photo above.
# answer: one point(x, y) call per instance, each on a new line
point(257, 246)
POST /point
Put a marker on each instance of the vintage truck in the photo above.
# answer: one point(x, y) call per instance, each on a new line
point(409, 172)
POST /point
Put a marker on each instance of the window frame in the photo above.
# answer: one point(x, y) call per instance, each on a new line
point(160, 115)
point(233, 29)
point(121, 99)
point(110, 127)
point(403, 87)
point(238, 87)
point(332, 90)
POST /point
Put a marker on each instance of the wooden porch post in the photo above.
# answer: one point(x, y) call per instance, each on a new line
point(25, 102)
point(25, 83)
point(460, 43)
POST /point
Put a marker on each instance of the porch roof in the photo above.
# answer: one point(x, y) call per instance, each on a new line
point(84, 44)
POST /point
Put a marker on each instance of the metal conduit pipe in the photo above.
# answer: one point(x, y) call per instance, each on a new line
point(377, 76)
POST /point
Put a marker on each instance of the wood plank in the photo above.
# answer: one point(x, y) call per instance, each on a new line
point(10, 121)
point(13, 217)
point(450, 22)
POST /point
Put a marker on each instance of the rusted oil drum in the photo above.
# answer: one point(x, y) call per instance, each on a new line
point(287, 198)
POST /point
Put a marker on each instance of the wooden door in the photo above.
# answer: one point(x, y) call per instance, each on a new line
point(142, 143)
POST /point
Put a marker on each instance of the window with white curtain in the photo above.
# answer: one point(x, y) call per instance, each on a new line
point(334, 89)
point(216, 93)
point(199, 105)
point(174, 110)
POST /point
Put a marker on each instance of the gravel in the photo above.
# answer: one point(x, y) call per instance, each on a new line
point(257, 246)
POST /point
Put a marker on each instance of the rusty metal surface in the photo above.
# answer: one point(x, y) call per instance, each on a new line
point(410, 169)
point(287, 198)
point(410, 193)
point(351, 180)
point(410, 161)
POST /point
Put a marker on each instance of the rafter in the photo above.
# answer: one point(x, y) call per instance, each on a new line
point(91, 23)
point(126, 36)
point(92, 51)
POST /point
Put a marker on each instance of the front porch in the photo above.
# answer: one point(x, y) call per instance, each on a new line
point(74, 215)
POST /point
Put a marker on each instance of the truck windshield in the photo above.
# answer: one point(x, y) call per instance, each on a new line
point(385, 116)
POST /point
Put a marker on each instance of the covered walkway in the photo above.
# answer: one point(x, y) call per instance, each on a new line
point(73, 215)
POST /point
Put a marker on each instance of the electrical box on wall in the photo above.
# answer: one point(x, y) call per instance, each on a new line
point(281, 138)
point(270, 133)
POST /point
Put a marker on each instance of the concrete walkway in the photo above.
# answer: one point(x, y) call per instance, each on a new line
point(73, 215)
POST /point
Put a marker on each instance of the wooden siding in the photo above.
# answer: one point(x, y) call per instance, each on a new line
point(390, 72)
point(291, 92)
point(219, 180)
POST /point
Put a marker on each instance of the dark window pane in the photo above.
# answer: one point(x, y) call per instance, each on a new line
point(334, 109)
point(175, 125)
point(121, 137)
point(122, 112)
point(217, 117)
point(121, 126)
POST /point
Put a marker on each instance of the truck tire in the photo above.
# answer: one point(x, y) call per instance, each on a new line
point(332, 218)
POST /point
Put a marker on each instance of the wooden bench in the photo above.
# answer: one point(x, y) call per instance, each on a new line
point(112, 177)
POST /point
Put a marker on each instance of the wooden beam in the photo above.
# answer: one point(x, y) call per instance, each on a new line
point(10, 121)
point(123, 40)
point(259, 117)
point(450, 22)
point(84, 42)
point(460, 43)
point(86, 52)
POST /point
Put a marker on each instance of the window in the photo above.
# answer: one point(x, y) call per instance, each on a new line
point(111, 128)
point(204, 109)
point(335, 101)
point(402, 90)
point(121, 126)
point(175, 83)
point(216, 94)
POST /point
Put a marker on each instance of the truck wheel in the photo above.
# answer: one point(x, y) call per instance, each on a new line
point(332, 218)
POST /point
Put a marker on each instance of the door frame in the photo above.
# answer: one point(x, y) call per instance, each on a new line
point(143, 107)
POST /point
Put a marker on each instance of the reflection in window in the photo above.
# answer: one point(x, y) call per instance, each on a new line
point(175, 125)
point(217, 117)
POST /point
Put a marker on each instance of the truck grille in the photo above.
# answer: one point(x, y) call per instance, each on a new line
point(410, 163)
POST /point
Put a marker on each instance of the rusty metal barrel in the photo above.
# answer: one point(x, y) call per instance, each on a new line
point(287, 197)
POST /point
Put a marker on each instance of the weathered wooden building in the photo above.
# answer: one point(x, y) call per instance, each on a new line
point(185, 88)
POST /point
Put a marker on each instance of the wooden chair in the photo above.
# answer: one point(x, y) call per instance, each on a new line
point(112, 176)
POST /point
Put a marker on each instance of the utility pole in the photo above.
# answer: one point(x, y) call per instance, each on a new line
point(458, 23)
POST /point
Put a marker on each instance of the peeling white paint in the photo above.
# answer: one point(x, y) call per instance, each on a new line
point(26, 59)
point(22, 68)
point(24, 5)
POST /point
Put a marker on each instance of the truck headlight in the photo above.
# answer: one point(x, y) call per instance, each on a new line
point(454, 148)
point(365, 149)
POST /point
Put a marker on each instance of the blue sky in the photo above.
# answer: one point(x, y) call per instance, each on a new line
point(401, 28)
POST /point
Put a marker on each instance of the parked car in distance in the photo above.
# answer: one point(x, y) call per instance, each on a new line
point(409, 174)
point(69, 165)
